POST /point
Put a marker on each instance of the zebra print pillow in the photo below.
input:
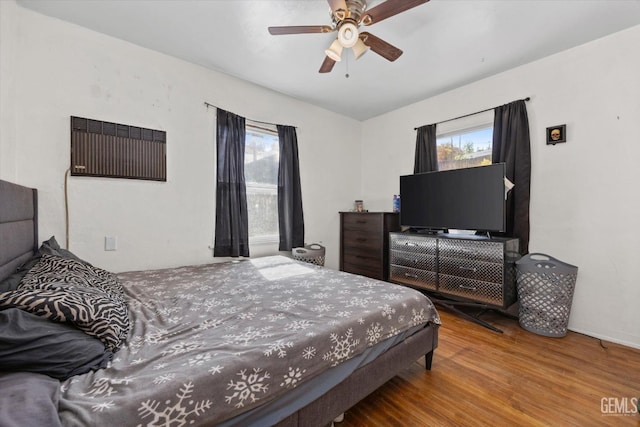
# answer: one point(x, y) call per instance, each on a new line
point(55, 269)
point(66, 290)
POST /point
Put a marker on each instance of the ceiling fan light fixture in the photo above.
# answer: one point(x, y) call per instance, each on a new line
point(335, 51)
point(359, 49)
point(348, 34)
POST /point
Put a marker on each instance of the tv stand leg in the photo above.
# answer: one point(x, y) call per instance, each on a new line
point(451, 305)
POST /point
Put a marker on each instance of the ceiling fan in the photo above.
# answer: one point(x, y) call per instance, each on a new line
point(347, 16)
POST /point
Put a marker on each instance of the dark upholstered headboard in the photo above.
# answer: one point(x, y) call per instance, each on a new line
point(18, 226)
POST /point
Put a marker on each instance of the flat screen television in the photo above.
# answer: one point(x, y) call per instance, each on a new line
point(466, 199)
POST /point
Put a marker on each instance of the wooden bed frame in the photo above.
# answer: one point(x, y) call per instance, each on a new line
point(19, 234)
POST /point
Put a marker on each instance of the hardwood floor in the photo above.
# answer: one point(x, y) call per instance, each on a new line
point(517, 378)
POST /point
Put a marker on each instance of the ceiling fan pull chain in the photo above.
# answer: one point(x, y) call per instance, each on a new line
point(346, 76)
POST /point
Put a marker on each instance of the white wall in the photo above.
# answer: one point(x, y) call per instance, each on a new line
point(52, 70)
point(584, 203)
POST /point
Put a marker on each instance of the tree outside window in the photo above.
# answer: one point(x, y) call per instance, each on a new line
point(466, 148)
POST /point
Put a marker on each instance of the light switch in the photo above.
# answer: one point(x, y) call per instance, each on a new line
point(110, 243)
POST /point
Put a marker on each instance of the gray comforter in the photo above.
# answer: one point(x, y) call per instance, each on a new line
point(210, 342)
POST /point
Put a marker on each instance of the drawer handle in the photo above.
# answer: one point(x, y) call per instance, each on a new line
point(361, 221)
point(410, 244)
point(361, 239)
point(468, 269)
point(469, 288)
point(413, 276)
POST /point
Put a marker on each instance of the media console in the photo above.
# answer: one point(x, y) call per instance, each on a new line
point(457, 269)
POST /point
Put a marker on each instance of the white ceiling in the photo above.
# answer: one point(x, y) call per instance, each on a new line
point(446, 43)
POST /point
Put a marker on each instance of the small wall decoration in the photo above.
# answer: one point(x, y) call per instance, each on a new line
point(556, 134)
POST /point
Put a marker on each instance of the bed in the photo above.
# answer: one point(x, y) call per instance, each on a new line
point(265, 341)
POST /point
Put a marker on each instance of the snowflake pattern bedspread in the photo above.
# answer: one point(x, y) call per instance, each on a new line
point(209, 342)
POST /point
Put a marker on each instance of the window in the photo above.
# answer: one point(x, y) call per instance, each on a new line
point(465, 149)
point(261, 159)
point(465, 142)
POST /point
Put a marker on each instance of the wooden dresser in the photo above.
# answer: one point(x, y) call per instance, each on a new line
point(364, 242)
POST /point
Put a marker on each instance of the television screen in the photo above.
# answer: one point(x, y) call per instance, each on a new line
point(466, 199)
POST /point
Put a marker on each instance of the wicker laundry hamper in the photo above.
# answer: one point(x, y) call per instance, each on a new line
point(313, 254)
point(545, 290)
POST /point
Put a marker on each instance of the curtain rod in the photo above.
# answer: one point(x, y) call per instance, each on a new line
point(251, 120)
point(472, 114)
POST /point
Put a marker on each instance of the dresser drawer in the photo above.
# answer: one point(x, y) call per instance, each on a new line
point(367, 223)
point(365, 260)
point(361, 255)
point(352, 239)
point(475, 290)
point(416, 244)
point(423, 261)
point(370, 268)
point(472, 250)
point(472, 269)
point(413, 277)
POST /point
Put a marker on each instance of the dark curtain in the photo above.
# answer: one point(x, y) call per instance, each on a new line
point(232, 225)
point(290, 217)
point(511, 145)
point(426, 158)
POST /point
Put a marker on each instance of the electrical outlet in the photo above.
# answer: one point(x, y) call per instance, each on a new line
point(110, 243)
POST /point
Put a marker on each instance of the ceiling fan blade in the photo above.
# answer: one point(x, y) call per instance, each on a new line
point(388, 9)
point(300, 29)
point(327, 65)
point(380, 46)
